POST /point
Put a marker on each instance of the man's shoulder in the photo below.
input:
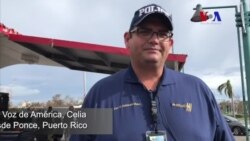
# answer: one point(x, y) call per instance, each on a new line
point(181, 75)
point(109, 82)
point(184, 78)
point(104, 89)
point(189, 83)
point(113, 78)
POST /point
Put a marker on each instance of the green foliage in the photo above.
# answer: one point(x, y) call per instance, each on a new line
point(227, 87)
point(239, 115)
point(56, 101)
point(228, 91)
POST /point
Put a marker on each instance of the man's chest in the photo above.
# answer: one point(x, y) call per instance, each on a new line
point(181, 115)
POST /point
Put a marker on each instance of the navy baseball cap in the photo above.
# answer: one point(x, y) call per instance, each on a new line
point(148, 10)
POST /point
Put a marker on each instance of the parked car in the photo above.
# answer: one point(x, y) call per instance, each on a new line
point(236, 126)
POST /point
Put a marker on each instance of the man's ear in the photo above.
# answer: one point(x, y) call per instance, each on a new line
point(127, 37)
point(172, 42)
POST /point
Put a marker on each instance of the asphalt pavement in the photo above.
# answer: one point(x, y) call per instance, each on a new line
point(240, 138)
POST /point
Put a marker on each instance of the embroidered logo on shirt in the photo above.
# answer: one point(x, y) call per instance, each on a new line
point(127, 105)
point(187, 106)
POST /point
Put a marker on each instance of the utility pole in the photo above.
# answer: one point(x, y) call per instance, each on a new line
point(243, 21)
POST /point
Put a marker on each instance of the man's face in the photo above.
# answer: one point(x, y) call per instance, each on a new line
point(148, 49)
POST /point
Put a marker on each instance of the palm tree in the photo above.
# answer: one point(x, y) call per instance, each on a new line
point(228, 91)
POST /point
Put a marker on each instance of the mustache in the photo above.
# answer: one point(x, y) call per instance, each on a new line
point(152, 47)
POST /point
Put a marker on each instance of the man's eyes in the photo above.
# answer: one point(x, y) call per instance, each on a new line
point(161, 33)
point(144, 31)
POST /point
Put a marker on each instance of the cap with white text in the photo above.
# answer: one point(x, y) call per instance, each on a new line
point(151, 9)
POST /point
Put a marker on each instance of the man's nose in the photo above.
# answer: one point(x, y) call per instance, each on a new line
point(154, 37)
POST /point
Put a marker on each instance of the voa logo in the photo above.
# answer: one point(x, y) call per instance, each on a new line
point(207, 17)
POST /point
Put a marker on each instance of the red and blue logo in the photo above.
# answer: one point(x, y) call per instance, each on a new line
point(206, 17)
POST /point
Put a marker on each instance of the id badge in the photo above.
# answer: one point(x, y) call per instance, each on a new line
point(153, 136)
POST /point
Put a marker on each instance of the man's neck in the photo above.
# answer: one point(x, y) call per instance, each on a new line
point(149, 76)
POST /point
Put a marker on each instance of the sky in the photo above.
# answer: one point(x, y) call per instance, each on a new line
point(212, 47)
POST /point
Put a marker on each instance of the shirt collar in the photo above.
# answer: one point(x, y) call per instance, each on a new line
point(167, 79)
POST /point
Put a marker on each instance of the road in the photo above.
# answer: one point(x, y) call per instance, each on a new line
point(240, 138)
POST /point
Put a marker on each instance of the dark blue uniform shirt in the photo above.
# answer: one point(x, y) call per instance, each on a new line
point(187, 109)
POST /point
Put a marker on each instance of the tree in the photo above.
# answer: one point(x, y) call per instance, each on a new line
point(59, 101)
point(225, 106)
point(228, 91)
point(56, 101)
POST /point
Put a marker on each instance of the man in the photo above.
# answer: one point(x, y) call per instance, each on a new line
point(151, 102)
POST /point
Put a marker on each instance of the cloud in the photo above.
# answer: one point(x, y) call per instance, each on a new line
point(213, 80)
point(19, 90)
point(211, 48)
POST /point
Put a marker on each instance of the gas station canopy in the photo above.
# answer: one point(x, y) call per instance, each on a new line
point(21, 49)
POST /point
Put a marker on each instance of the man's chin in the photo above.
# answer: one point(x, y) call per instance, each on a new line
point(152, 61)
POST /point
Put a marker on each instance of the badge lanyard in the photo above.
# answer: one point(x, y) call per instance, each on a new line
point(155, 135)
point(154, 109)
